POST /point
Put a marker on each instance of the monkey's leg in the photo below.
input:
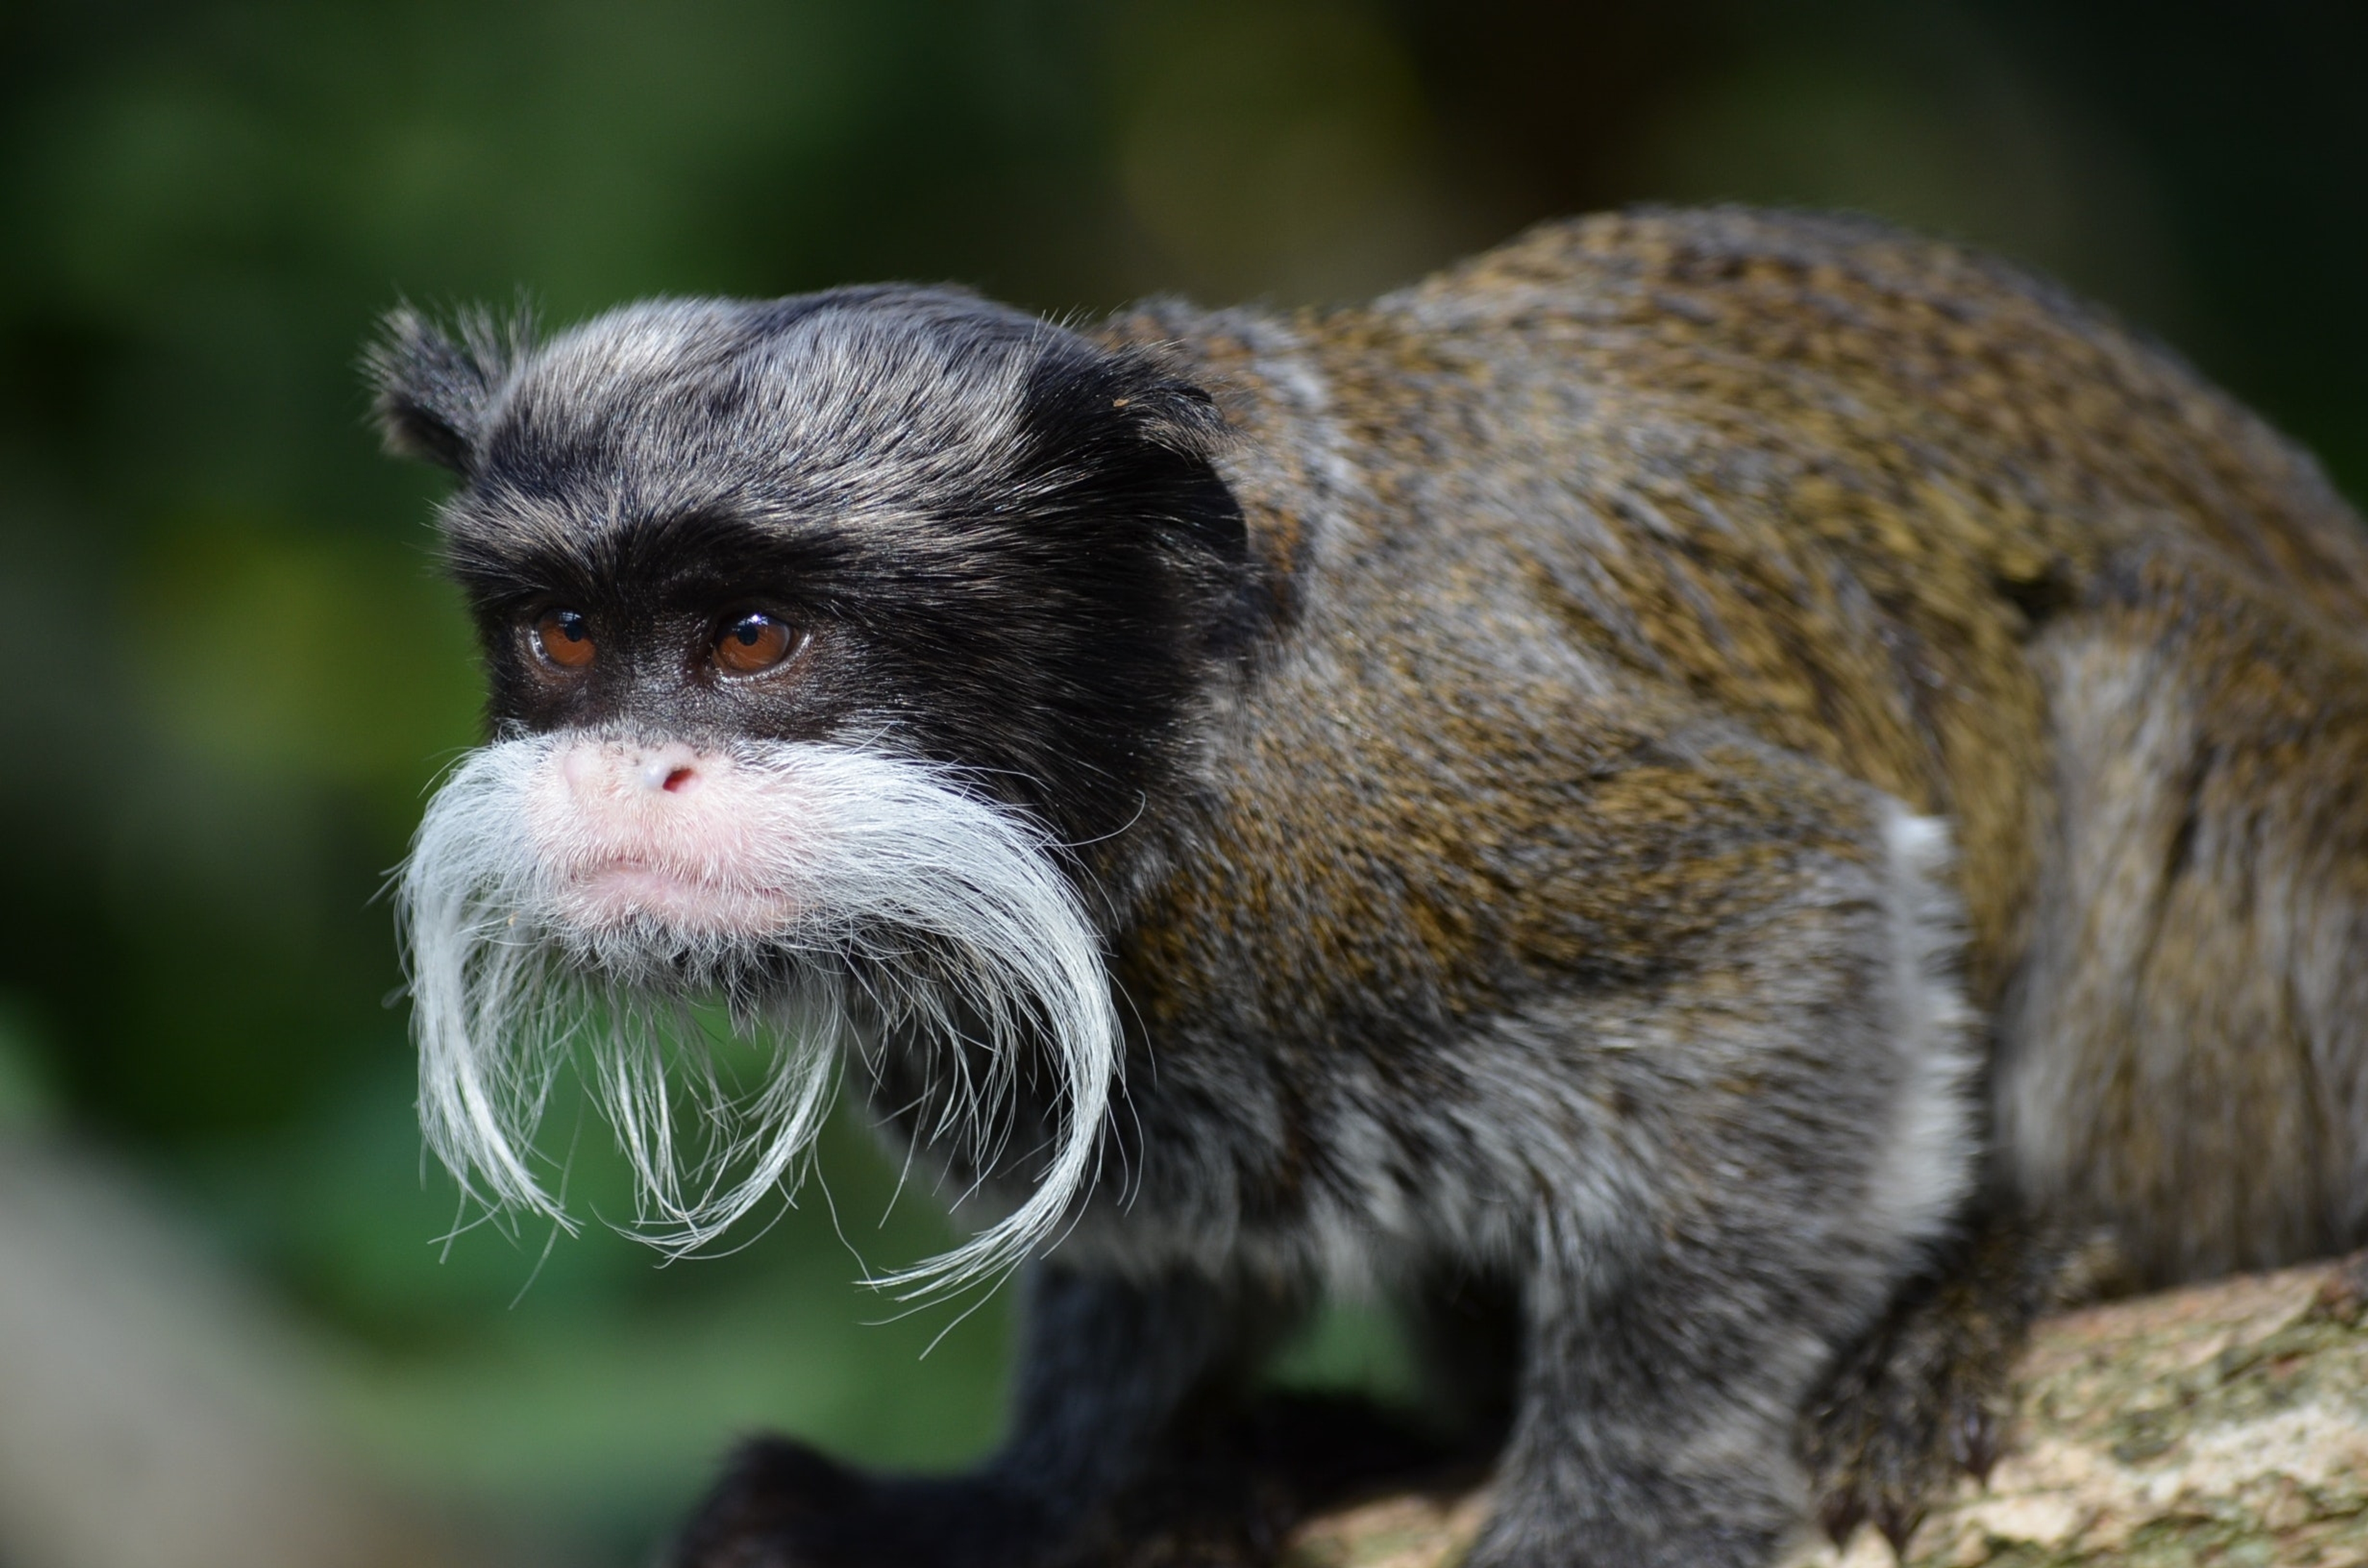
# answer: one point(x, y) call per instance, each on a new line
point(1733, 1177)
point(1132, 1435)
point(1105, 1366)
point(1927, 1392)
point(1650, 1433)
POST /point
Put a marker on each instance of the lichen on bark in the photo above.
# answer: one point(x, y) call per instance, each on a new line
point(2222, 1424)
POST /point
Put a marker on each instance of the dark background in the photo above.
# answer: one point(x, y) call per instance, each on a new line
point(228, 672)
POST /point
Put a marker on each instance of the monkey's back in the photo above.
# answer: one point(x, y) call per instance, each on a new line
point(1836, 481)
point(1897, 509)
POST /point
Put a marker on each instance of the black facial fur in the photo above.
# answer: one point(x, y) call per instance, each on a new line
point(1004, 548)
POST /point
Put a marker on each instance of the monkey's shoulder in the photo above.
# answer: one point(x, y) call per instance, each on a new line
point(1409, 831)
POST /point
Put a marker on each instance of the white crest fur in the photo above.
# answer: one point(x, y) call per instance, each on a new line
point(904, 899)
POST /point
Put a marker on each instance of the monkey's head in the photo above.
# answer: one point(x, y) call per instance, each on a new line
point(822, 634)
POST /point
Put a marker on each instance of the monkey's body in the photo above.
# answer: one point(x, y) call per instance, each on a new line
point(1872, 501)
point(1533, 898)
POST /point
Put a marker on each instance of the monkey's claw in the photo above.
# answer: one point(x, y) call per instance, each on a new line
point(1927, 1395)
point(1839, 1513)
point(1896, 1429)
point(1974, 1442)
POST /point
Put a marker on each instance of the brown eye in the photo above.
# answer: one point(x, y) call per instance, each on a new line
point(753, 643)
point(563, 638)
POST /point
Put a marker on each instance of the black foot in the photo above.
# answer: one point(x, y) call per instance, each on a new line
point(1928, 1394)
point(1221, 1491)
point(781, 1504)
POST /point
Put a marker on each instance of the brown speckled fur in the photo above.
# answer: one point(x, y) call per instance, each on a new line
point(1898, 509)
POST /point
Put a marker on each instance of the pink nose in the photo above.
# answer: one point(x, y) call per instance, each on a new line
point(672, 768)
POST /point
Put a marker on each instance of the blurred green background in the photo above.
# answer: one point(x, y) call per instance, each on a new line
point(228, 671)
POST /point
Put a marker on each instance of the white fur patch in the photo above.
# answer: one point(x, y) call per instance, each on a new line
point(1929, 1167)
point(825, 884)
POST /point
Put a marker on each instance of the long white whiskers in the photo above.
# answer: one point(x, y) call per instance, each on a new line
point(873, 863)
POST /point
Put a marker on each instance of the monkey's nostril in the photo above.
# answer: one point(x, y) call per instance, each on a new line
point(674, 769)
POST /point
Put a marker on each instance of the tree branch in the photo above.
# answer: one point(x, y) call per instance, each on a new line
point(2222, 1424)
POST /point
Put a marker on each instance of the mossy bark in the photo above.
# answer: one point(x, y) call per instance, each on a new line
point(2224, 1425)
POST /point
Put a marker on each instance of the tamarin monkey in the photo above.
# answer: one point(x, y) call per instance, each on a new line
point(1674, 801)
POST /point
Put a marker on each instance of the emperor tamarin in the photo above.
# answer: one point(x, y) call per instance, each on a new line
point(1631, 798)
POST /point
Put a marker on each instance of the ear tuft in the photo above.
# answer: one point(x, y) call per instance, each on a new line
point(431, 388)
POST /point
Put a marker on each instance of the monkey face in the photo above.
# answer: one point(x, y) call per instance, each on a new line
point(817, 631)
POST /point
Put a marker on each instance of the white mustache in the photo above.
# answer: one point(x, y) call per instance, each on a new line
point(890, 894)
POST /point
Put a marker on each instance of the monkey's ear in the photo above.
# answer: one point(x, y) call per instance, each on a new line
point(1124, 434)
point(430, 388)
